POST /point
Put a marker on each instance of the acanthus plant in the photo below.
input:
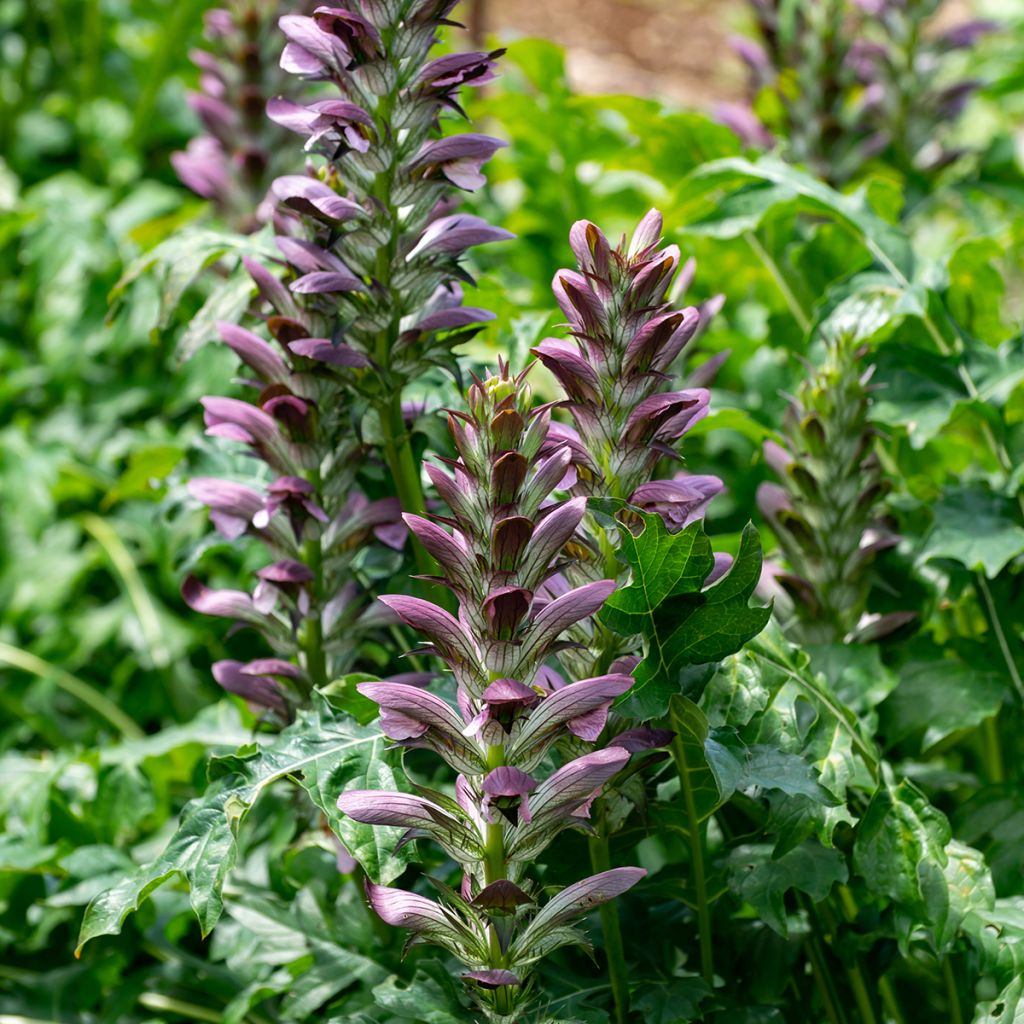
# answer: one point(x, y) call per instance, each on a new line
point(366, 297)
point(840, 82)
point(826, 509)
point(505, 536)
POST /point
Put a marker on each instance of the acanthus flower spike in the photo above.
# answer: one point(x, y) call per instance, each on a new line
point(505, 536)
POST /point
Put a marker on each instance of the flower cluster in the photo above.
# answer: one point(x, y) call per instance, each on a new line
point(368, 297)
point(371, 257)
point(617, 369)
point(234, 161)
point(505, 538)
point(306, 510)
point(840, 81)
point(825, 513)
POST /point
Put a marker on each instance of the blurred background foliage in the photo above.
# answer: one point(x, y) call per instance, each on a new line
point(108, 708)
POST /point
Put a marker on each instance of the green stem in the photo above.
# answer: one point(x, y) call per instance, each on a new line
point(889, 1000)
point(190, 1011)
point(618, 974)
point(854, 973)
point(792, 302)
point(404, 471)
point(997, 628)
point(992, 751)
point(78, 688)
point(496, 869)
point(696, 838)
point(822, 979)
point(956, 1013)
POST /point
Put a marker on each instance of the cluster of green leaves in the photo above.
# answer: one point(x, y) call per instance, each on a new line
point(837, 834)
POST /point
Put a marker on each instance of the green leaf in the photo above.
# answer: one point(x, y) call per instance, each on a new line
point(976, 527)
point(707, 777)
point(763, 880)
point(728, 197)
point(676, 1002)
point(430, 998)
point(900, 850)
point(976, 288)
point(322, 750)
point(937, 698)
point(1006, 1008)
point(681, 624)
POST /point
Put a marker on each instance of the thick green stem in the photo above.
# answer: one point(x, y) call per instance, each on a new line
point(313, 634)
point(1000, 634)
point(496, 869)
point(956, 1013)
point(696, 837)
point(618, 974)
point(404, 472)
point(854, 973)
point(823, 980)
point(992, 751)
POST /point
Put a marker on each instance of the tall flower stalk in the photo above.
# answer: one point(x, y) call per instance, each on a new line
point(372, 258)
point(837, 82)
point(239, 153)
point(366, 297)
point(617, 373)
point(505, 535)
point(825, 511)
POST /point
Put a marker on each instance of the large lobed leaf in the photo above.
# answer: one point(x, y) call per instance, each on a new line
point(681, 623)
point(325, 752)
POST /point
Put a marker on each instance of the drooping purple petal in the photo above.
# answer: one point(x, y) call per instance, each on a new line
point(308, 195)
point(582, 707)
point(458, 157)
point(492, 978)
point(323, 350)
point(442, 629)
point(254, 352)
point(232, 506)
point(543, 933)
point(261, 690)
point(455, 234)
point(228, 604)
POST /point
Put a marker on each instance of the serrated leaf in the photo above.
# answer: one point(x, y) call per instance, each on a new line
point(976, 527)
point(762, 879)
point(681, 623)
point(726, 198)
point(204, 847)
point(937, 698)
point(900, 851)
